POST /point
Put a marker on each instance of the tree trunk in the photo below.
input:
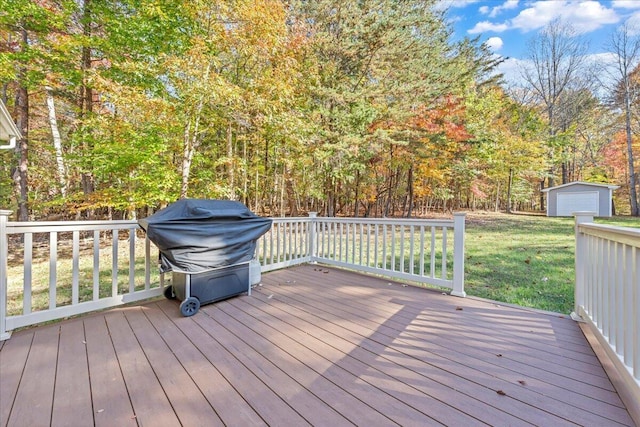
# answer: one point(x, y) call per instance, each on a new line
point(356, 206)
point(20, 175)
point(510, 183)
point(410, 192)
point(187, 158)
point(633, 194)
point(85, 100)
point(57, 143)
point(230, 163)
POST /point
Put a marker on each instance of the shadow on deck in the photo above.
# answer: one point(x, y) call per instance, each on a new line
point(311, 346)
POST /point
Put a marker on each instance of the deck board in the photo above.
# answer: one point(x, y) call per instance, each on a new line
point(311, 346)
point(34, 398)
point(72, 395)
point(13, 357)
point(149, 400)
point(109, 396)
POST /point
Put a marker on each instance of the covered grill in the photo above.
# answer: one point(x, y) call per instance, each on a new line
point(207, 245)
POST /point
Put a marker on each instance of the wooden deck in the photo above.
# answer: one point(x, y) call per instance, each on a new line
point(311, 346)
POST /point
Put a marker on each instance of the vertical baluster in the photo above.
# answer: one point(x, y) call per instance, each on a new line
point(401, 257)
point(432, 265)
point(606, 262)
point(384, 245)
point(53, 262)
point(114, 263)
point(132, 260)
point(600, 278)
point(75, 275)
point(361, 244)
point(412, 231)
point(635, 312)
point(147, 263)
point(346, 242)
point(340, 241)
point(368, 245)
point(271, 243)
point(422, 243)
point(393, 247)
point(618, 305)
point(630, 306)
point(375, 246)
point(96, 265)
point(28, 273)
point(593, 248)
point(277, 240)
point(444, 253)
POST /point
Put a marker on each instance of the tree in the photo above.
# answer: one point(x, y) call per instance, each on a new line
point(625, 48)
point(556, 57)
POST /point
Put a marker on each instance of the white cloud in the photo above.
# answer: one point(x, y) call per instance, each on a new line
point(626, 4)
point(483, 10)
point(584, 16)
point(494, 43)
point(446, 4)
point(511, 68)
point(634, 24)
point(486, 26)
point(507, 5)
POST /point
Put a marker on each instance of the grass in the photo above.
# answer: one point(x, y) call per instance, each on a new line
point(527, 260)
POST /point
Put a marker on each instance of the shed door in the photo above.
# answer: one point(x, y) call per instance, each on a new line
point(568, 203)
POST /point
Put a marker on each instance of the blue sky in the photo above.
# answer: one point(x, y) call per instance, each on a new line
point(507, 25)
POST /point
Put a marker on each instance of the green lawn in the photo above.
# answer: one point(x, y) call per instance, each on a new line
point(526, 260)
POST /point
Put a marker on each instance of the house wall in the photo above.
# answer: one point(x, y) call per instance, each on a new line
point(604, 198)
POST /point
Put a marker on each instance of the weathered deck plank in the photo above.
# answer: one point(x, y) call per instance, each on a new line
point(311, 346)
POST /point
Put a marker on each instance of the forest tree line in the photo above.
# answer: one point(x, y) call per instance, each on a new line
point(342, 107)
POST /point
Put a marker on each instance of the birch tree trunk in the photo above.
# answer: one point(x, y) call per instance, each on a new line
point(230, 163)
point(57, 143)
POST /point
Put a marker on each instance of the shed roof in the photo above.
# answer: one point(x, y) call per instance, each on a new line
point(8, 129)
point(592, 184)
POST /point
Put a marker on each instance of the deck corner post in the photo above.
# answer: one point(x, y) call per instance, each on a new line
point(312, 236)
point(458, 254)
point(4, 255)
point(580, 262)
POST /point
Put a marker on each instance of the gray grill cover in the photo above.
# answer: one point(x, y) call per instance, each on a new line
point(195, 235)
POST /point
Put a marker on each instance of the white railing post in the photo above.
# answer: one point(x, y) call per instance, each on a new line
point(580, 262)
point(458, 254)
point(312, 235)
point(4, 255)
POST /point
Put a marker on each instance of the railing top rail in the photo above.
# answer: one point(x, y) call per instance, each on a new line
point(400, 221)
point(62, 226)
point(628, 236)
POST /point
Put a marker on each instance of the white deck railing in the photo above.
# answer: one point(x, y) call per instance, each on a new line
point(59, 269)
point(51, 270)
point(421, 251)
point(607, 293)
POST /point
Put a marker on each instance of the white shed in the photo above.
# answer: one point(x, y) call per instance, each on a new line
point(8, 130)
point(564, 200)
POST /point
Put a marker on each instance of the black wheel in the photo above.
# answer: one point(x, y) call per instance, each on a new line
point(168, 292)
point(190, 306)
